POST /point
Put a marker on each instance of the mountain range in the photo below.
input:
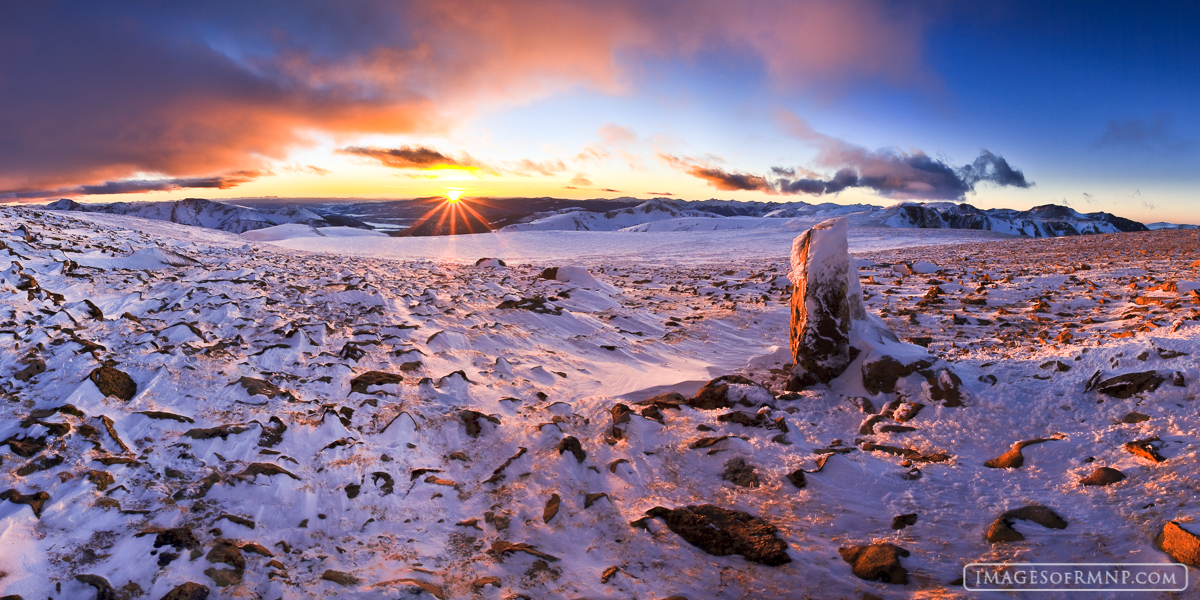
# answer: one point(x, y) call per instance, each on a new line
point(422, 216)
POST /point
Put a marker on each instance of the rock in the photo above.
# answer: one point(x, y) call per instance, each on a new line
point(1002, 530)
point(901, 521)
point(609, 573)
point(571, 444)
point(259, 387)
point(267, 469)
point(826, 298)
point(491, 580)
point(101, 479)
point(112, 382)
point(1103, 476)
point(502, 548)
point(340, 578)
point(945, 386)
point(715, 393)
point(490, 262)
point(1125, 386)
point(620, 416)
point(1177, 379)
point(739, 473)
point(35, 501)
point(36, 366)
point(1147, 449)
point(877, 562)
point(470, 420)
point(798, 479)
point(104, 590)
point(592, 498)
point(1013, 459)
point(160, 415)
point(1135, 417)
point(187, 591)
point(220, 431)
point(551, 509)
point(1179, 543)
point(722, 532)
point(366, 380)
point(179, 538)
point(880, 373)
point(272, 433)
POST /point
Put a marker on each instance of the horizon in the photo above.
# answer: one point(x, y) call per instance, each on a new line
point(863, 102)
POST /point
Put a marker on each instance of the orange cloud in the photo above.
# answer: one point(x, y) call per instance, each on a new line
point(169, 90)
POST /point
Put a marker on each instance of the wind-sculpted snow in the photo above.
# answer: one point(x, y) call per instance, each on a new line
point(262, 421)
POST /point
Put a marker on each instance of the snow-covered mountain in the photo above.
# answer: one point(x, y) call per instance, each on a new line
point(213, 215)
point(657, 209)
point(674, 215)
point(1048, 220)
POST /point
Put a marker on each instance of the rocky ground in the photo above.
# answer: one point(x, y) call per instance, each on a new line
point(185, 413)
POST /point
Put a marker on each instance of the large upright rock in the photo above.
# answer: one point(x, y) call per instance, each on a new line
point(826, 299)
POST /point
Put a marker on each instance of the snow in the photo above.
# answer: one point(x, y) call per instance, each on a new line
point(638, 314)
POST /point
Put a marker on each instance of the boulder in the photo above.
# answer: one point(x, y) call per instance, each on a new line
point(112, 382)
point(722, 532)
point(187, 591)
point(1125, 386)
point(826, 299)
point(877, 562)
point(1103, 476)
point(1001, 530)
point(1179, 543)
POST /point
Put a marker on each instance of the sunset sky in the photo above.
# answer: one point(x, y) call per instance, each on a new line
point(1013, 104)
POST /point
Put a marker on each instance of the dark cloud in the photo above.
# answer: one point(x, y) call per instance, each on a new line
point(659, 194)
point(408, 157)
point(1156, 134)
point(718, 177)
point(140, 186)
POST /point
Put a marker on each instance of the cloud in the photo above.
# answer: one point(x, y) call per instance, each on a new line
point(888, 172)
point(422, 162)
point(659, 194)
point(94, 93)
point(718, 177)
point(547, 168)
point(579, 179)
point(140, 186)
point(1156, 134)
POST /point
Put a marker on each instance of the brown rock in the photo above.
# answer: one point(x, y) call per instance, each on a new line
point(36, 366)
point(739, 473)
point(340, 578)
point(187, 591)
point(366, 380)
point(881, 373)
point(571, 444)
point(112, 382)
point(35, 501)
point(1013, 459)
point(1103, 476)
point(1179, 543)
point(877, 562)
point(104, 590)
point(470, 420)
point(1001, 530)
point(267, 469)
point(259, 387)
point(722, 532)
point(102, 479)
point(551, 509)
point(715, 393)
point(901, 521)
point(945, 386)
point(1125, 386)
point(1134, 418)
point(1147, 449)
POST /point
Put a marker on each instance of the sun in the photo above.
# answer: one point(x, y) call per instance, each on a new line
point(452, 196)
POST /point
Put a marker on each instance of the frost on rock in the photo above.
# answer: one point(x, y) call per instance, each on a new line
point(831, 329)
point(826, 299)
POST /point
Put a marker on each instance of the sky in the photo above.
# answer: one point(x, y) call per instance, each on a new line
point(1009, 104)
